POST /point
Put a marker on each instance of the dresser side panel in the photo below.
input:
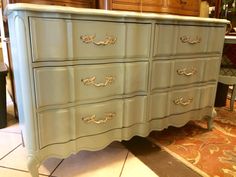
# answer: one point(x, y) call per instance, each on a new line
point(21, 57)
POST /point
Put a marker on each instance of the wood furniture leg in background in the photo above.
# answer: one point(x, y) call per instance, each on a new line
point(7, 60)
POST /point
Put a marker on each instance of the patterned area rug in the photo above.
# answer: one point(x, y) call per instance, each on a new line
point(210, 153)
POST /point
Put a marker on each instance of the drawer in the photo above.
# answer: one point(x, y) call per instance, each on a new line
point(62, 85)
point(208, 96)
point(181, 7)
point(77, 3)
point(175, 102)
point(182, 40)
point(212, 68)
point(215, 44)
point(63, 125)
point(192, 39)
point(169, 73)
point(125, 1)
point(60, 39)
point(135, 111)
point(181, 101)
point(139, 2)
point(184, 5)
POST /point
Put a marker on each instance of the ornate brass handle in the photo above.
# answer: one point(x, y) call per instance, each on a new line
point(91, 81)
point(189, 40)
point(183, 1)
point(91, 39)
point(92, 118)
point(180, 101)
point(187, 72)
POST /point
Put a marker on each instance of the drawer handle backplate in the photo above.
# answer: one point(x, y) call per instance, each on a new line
point(92, 118)
point(189, 40)
point(91, 39)
point(187, 71)
point(182, 102)
point(91, 81)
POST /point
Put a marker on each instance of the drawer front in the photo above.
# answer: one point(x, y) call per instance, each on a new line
point(188, 5)
point(152, 2)
point(49, 39)
point(132, 5)
point(191, 40)
point(62, 85)
point(212, 69)
point(125, 1)
point(135, 111)
point(175, 102)
point(61, 40)
point(183, 7)
point(104, 39)
point(169, 73)
point(63, 125)
point(216, 43)
point(77, 3)
point(139, 2)
point(181, 101)
point(98, 118)
point(182, 40)
point(208, 96)
point(138, 40)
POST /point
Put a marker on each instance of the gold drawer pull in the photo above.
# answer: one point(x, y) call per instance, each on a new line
point(91, 81)
point(91, 39)
point(92, 118)
point(189, 40)
point(180, 101)
point(187, 72)
point(183, 2)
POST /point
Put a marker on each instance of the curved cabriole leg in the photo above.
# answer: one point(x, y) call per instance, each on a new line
point(210, 119)
point(209, 122)
point(33, 165)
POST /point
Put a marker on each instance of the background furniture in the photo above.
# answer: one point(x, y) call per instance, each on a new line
point(85, 78)
point(3, 107)
point(71, 3)
point(228, 71)
point(6, 54)
point(181, 7)
point(226, 10)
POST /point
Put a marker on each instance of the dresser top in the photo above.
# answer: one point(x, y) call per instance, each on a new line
point(99, 12)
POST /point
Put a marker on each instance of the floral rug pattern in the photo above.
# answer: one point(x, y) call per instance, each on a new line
point(210, 153)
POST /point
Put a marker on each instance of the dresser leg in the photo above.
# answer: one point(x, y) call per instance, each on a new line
point(22, 139)
point(33, 166)
point(209, 123)
point(210, 119)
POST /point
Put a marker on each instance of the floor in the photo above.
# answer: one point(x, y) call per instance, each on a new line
point(137, 157)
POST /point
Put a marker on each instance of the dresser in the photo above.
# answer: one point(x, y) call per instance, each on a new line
point(85, 78)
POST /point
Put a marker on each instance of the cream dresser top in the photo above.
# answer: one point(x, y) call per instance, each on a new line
point(99, 12)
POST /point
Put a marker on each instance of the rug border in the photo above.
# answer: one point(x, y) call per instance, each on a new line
point(178, 157)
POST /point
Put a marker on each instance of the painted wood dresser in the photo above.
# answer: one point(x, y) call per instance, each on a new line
point(85, 78)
